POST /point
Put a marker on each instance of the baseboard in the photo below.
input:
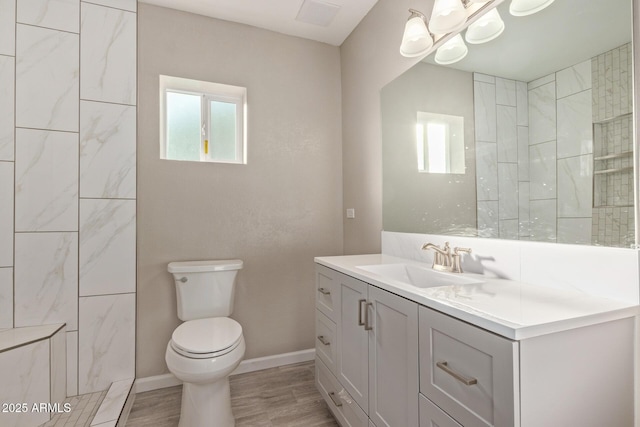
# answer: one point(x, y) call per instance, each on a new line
point(250, 365)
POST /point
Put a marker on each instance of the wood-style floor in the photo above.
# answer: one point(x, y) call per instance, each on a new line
point(284, 396)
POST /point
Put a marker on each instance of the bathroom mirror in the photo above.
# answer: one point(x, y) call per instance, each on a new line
point(546, 110)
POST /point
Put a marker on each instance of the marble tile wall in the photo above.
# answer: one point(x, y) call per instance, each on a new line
point(613, 222)
point(501, 119)
point(67, 179)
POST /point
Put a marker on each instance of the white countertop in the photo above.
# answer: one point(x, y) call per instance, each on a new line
point(512, 309)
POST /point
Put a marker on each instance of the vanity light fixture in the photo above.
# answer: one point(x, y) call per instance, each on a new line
point(447, 16)
point(452, 51)
point(527, 7)
point(485, 29)
point(417, 39)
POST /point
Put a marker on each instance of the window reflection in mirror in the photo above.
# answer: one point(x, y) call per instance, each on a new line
point(440, 143)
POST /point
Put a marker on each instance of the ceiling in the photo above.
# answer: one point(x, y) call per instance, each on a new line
point(564, 34)
point(280, 15)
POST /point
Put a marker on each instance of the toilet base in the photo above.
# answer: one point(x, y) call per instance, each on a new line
point(206, 405)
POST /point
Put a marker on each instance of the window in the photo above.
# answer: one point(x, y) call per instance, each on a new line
point(440, 143)
point(202, 121)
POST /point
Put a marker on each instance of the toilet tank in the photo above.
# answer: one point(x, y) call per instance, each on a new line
point(205, 288)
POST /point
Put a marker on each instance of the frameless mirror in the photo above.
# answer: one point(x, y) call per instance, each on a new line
point(546, 118)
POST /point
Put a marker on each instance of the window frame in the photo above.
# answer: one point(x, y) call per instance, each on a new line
point(208, 92)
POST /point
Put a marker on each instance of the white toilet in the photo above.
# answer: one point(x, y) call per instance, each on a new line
point(208, 346)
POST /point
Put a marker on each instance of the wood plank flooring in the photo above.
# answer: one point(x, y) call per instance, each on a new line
point(279, 397)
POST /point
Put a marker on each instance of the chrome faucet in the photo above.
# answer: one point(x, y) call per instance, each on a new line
point(444, 260)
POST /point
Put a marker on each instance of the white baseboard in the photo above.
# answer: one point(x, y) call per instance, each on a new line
point(250, 365)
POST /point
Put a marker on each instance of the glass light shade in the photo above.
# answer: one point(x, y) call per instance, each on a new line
point(485, 29)
point(452, 51)
point(527, 7)
point(416, 40)
point(447, 16)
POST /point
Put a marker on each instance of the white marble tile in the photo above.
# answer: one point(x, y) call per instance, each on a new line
point(542, 114)
point(107, 247)
point(574, 79)
point(108, 322)
point(574, 231)
point(507, 134)
point(484, 78)
point(108, 54)
point(113, 402)
point(575, 133)
point(488, 222)
point(575, 186)
point(72, 363)
point(46, 180)
point(508, 193)
point(18, 337)
point(55, 14)
point(509, 229)
point(541, 81)
point(46, 279)
point(580, 267)
point(523, 153)
point(8, 27)
point(487, 170)
point(107, 150)
point(25, 379)
point(484, 105)
point(522, 103)
point(542, 220)
point(506, 92)
point(130, 5)
point(47, 82)
point(6, 298)
point(542, 170)
point(58, 351)
point(6, 214)
point(7, 116)
point(523, 209)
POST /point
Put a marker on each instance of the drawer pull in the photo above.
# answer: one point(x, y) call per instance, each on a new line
point(323, 340)
point(464, 380)
point(332, 396)
point(360, 322)
point(324, 291)
point(367, 327)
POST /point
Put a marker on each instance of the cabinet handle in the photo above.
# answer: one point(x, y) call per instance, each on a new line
point(360, 322)
point(463, 379)
point(324, 291)
point(323, 340)
point(332, 396)
point(367, 327)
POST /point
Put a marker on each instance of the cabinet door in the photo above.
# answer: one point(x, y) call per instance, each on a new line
point(353, 368)
point(432, 416)
point(393, 359)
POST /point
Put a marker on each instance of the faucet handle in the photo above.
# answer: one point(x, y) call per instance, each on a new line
point(457, 251)
point(456, 267)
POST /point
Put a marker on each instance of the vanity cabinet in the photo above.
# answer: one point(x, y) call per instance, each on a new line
point(376, 366)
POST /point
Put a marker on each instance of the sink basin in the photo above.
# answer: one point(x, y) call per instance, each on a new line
point(418, 276)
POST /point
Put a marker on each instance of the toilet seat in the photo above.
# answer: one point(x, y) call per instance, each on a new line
point(206, 338)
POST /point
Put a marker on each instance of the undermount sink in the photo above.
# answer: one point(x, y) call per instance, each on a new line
point(418, 276)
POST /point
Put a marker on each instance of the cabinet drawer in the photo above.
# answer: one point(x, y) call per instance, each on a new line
point(467, 371)
point(432, 416)
point(343, 407)
point(326, 341)
point(327, 292)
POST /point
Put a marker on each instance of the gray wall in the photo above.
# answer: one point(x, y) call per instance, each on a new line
point(276, 213)
point(416, 202)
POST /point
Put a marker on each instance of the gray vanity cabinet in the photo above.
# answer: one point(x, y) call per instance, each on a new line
point(376, 363)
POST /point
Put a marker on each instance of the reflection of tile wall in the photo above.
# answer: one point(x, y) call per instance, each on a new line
point(501, 118)
point(613, 222)
point(67, 178)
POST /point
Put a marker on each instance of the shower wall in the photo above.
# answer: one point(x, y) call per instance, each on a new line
point(68, 179)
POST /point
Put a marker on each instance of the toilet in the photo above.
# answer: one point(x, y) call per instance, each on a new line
point(209, 345)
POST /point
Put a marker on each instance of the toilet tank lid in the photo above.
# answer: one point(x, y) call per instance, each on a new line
point(204, 266)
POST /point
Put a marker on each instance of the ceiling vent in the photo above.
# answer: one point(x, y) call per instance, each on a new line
point(317, 13)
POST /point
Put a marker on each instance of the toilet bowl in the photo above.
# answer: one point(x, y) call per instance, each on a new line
point(202, 353)
point(209, 345)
